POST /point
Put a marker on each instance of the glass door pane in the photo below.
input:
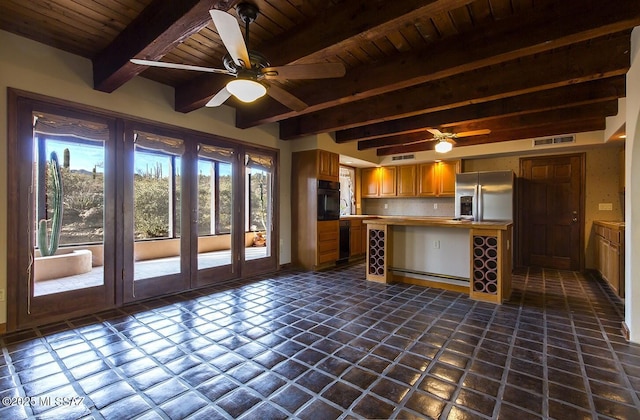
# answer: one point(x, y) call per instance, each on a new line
point(259, 245)
point(215, 221)
point(156, 180)
point(68, 185)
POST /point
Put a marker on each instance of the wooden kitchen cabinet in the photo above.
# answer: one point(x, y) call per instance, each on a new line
point(437, 179)
point(433, 179)
point(406, 181)
point(609, 249)
point(447, 171)
point(370, 184)
point(315, 244)
point(355, 238)
point(427, 186)
point(378, 182)
point(328, 165)
point(328, 241)
point(388, 181)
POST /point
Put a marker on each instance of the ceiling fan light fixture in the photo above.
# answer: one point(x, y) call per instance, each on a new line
point(246, 90)
point(443, 146)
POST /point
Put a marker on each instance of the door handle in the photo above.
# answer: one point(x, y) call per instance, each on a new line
point(574, 220)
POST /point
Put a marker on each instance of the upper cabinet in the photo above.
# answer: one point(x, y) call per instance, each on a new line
point(438, 179)
point(406, 181)
point(378, 182)
point(388, 181)
point(328, 165)
point(427, 186)
point(370, 185)
point(434, 179)
point(446, 178)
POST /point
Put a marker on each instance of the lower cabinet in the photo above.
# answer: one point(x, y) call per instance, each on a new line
point(328, 241)
point(355, 238)
point(609, 258)
point(358, 237)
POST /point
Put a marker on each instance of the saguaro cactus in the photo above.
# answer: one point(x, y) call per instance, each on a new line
point(49, 246)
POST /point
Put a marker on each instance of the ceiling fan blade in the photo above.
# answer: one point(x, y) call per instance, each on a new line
point(219, 98)
point(305, 71)
point(473, 133)
point(285, 98)
point(435, 132)
point(231, 36)
point(177, 66)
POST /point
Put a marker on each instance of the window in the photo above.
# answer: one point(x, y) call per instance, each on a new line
point(214, 197)
point(215, 205)
point(156, 186)
point(157, 190)
point(259, 199)
point(82, 171)
point(347, 195)
point(140, 203)
point(258, 192)
point(74, 190)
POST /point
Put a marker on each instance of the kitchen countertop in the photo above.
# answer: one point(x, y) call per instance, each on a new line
point(609, 224)
point(438, 221)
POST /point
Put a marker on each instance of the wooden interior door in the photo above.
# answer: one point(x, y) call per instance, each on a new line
point(551, 211)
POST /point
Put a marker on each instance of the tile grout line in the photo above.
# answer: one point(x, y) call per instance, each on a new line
point(507, 364)
point(583, 369)
point(627, 384)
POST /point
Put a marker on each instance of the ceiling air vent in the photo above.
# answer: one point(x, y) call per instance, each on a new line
point(403, 157)
point(548, 141)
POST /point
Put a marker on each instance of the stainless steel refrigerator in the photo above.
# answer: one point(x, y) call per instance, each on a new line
point(484, 196)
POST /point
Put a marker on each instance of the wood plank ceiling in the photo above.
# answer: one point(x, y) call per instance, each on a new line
point(519, 68)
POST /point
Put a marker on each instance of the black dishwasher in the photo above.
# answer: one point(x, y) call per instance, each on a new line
point(345, 243)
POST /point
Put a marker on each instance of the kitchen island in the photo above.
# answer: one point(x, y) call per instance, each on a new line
point(459, 255)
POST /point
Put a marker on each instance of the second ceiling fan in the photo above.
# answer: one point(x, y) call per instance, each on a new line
point(250, 68)
point(447, 140)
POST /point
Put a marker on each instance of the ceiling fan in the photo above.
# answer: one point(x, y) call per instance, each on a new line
point(447, 140)
point(250, 69)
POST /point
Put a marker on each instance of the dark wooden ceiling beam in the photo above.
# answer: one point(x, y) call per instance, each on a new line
point(347, 24)
point(483, 47)
point(557, 98)
point(566, 127)
point(503, 124)
point(562, 67)
point(554, 116)
point(195, 93)
point(157, 30)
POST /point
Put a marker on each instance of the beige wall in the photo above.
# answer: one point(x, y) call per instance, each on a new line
point(34, 67)
point(602, 185)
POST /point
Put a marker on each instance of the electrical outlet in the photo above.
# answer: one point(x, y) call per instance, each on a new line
point(386, 206)
point(436, 244)
point(435, 206)
point(1, 295)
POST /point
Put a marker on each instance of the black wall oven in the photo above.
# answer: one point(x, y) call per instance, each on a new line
point(328, 200)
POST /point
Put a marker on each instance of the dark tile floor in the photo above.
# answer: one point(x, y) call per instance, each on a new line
point(331, 345)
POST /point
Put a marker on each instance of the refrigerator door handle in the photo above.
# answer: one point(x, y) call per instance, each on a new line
point(474, 203)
